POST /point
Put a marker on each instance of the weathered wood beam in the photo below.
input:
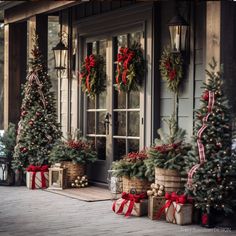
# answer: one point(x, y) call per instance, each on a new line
point(213, 30)
point(30, 9)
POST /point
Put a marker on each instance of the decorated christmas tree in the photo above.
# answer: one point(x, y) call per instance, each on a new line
point(38, 128)
point(211, 165)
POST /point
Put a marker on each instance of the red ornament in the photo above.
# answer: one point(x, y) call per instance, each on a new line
point(205, 95)
point(172, 74)
point(23, 113)
point(31, 122)
point(23, 149)
point(204, 219)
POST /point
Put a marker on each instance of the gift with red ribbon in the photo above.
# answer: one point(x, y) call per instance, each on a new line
point(131, 204)
point(37, 177)
point(178, 209)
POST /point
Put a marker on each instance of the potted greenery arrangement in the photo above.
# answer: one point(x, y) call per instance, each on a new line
point(166, 157)
point(73, 154)
point(7, 145)
point(132, 170)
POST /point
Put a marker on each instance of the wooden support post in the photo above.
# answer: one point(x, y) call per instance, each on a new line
point(213, 29)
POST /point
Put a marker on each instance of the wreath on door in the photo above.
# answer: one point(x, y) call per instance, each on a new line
point(131, 68)
point(93, 75)
point(171, 68)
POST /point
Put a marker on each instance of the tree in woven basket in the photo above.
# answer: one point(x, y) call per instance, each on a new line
point(38, 128)
point(211, 166)
point(131, 165)
point(169, 150)
point(75, 149)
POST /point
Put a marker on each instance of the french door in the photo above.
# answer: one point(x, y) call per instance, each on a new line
point(113, 120)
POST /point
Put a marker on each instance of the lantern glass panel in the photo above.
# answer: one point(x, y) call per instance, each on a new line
point(183, 36)
point(175, 35)
point(60, 59)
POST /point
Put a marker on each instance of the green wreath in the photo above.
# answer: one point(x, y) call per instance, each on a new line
point(93, 75)
point(171, 68)
point(130, 69)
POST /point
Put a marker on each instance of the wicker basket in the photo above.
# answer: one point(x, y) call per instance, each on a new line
point(134, 183)
point(72, 171)
point(171, 179)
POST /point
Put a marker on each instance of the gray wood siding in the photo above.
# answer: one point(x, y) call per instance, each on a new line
point(190, 90)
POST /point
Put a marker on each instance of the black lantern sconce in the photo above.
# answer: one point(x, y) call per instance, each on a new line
point(178, 31)
point(60, 51)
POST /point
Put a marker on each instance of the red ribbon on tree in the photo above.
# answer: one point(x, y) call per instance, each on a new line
point(131, 199)
point(201, 148)
point(35, 169)
point(173, 197)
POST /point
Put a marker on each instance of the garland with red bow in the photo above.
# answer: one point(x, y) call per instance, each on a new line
point(130, 69)
point(171, 68)
point(130, 199)
point(173, 197)
point(34, 170)
point(210, 96)
point(93, 75)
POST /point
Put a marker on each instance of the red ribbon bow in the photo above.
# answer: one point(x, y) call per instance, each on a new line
point(131, 199)
point(35, 169)
point(173, 197)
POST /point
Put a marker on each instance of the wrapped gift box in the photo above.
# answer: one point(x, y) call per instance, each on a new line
point(139, 209)
point(154, 206)
point(178, 213)
point(38, 179)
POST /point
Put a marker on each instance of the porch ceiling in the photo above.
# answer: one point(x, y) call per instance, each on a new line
point(8, 4)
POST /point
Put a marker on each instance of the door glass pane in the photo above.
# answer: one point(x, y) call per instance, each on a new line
point(102, 100)
point(120, 123)
point(101, 129)
point(102, 48)
point(133, 145)
point(133, 121)
point(122, 41)
point(90, 103)
point(94, 48)
point(134, 99)
point(135, 37)
point(90, 122)
point(119, 100)
point(101, 147)
point(119, 148)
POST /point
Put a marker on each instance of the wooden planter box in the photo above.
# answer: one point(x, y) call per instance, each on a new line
point(134, 183)
point(171, 179)
point(154, 206)
point(72, 171)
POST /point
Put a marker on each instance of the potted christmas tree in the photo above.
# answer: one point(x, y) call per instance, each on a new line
point(73, 154)
point(133, 172)
point(211, 166)
point(166, 157)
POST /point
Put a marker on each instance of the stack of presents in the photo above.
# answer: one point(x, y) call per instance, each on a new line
point(157, 203)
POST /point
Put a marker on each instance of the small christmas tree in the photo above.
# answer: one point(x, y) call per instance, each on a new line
point(38, 128)
point(211, 167)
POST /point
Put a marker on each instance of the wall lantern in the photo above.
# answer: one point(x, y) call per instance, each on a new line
point(60, 51)
point(178, 30)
